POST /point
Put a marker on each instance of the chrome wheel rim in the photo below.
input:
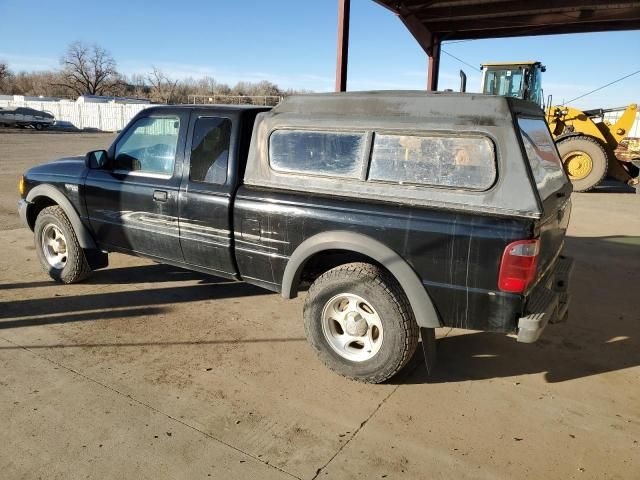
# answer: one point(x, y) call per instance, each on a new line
point(352, 327)
point(54, 246)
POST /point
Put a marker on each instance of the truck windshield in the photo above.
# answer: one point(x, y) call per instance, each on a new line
point(504, 82)
point(543, 156)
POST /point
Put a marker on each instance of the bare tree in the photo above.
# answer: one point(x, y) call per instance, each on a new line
point(4, 70)
point(89, 70)
point(163, 89)
point(137, 86)
point(267, 88)
point(5, 75)
point(35, 83)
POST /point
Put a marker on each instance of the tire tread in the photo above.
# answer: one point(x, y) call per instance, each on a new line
point(394, 293)
point(597, 144)
point(78, 269)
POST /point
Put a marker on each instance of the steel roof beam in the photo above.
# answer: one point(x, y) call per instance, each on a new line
point(342, 54)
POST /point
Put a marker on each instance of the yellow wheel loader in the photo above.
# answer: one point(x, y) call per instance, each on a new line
point(586, 142)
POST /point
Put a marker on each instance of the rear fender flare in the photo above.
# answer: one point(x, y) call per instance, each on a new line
point(82, 232)
point(423, 309)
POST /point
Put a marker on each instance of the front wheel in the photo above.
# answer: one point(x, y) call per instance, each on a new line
point(59, 251)
point(585, 161)
point(359, 321)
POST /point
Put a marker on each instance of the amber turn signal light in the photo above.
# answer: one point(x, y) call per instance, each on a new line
point(21, 185)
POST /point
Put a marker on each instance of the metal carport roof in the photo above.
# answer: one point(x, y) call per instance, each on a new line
point(466, 19)
point(432, 22)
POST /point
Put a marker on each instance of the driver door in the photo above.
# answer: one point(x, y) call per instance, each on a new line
point(133, 204)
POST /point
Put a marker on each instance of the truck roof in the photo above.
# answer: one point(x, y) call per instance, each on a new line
point(392, 106)
point(508, 64)
point(217, 107)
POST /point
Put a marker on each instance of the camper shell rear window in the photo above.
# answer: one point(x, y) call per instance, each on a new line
point(542, 155)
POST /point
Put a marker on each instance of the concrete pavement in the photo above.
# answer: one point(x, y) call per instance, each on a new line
point(147, 371)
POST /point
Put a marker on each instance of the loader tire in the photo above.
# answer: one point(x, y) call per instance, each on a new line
point(585, 160)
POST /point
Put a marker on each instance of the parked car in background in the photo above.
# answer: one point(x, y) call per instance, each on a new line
point(26, 117)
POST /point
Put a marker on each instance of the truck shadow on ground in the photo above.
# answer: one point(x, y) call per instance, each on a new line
point(141, 301)
point(153, 273)
point(156, 344)
point(601, 335)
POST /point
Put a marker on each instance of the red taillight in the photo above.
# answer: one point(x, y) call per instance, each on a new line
point(518, 266)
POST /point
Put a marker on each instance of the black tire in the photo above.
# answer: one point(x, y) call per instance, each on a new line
point(76, 267)
point(599, 159)
point(378, 288)
point(38, 126)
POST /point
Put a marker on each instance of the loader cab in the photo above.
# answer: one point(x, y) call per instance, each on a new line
point(519, 80)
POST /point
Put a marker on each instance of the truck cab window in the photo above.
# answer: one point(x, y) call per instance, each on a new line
point(210, 150)
point(149, 146)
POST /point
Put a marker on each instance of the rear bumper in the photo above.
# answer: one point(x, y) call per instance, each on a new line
point(548, 302)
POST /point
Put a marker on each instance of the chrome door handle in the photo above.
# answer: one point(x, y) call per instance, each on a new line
point(160, 196)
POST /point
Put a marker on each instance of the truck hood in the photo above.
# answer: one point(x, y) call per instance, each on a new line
point(69, 167)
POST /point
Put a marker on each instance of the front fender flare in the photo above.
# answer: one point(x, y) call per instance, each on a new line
point(84, 237)
point(423, 309)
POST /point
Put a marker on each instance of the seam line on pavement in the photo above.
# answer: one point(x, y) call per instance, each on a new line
point(150, 407)
point(366, 420)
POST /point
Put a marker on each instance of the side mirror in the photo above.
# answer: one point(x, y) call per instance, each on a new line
point(96, 160)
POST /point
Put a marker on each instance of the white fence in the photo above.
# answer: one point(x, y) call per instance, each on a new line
point(108, 117)
point(111, 117)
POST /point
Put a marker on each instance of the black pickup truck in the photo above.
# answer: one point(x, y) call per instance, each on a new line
point(399, 212)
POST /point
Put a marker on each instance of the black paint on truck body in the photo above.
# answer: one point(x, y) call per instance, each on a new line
point(446, 244)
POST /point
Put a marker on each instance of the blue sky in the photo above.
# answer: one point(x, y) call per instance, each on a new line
point(293, 43)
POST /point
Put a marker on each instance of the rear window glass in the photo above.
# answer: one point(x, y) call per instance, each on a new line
point(460, 162)
point(316, 152)
point(210, 150)
point(543, 156)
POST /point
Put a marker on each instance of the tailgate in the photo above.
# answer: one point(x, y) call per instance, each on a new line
point(552, 185)
point(552, 231)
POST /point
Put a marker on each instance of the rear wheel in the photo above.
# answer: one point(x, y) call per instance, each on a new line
point(360, 323)
point(585, 161)
point(59, 251)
